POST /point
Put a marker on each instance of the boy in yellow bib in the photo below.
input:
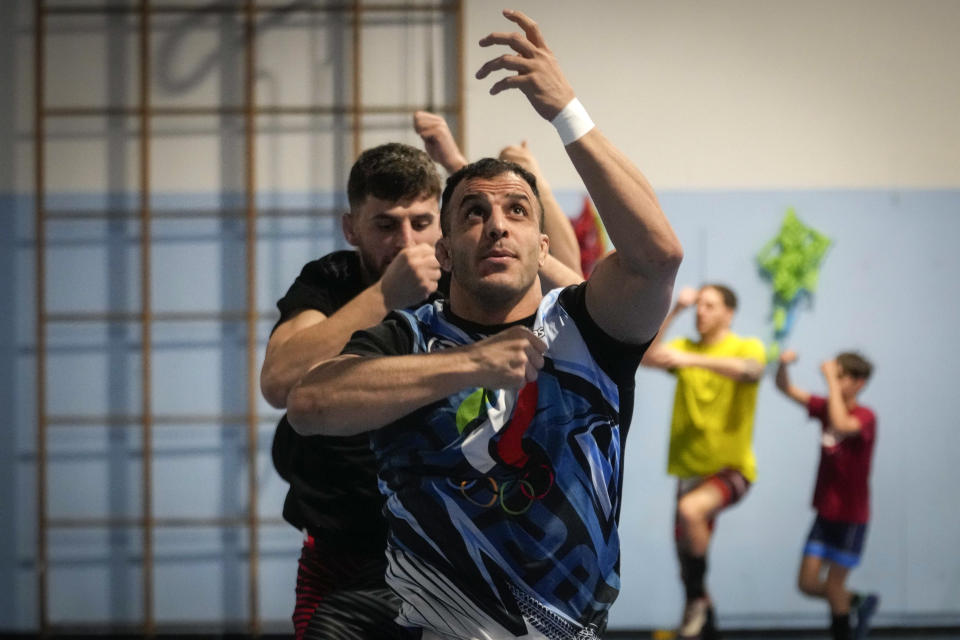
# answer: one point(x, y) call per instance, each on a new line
point(711, 433)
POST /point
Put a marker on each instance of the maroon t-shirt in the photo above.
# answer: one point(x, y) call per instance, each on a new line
point(843, 480)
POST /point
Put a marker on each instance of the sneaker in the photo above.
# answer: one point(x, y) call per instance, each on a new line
point(695, 617)
point(709, 631)
point(865, 611)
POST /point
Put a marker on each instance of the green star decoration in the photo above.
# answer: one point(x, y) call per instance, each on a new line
point(791, 261)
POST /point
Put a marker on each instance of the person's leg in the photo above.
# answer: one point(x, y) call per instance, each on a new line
point(696, 508)
point(811, 583)
point(696, 511)
point(836, 589)
point(839, 599)
point(310, 588)
point(342, 594)
point(862, 606)
point(698, 504)
point(809, 579)
point(838, 545)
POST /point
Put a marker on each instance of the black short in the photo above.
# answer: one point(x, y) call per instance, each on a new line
point(839, 542)
point(342, 594)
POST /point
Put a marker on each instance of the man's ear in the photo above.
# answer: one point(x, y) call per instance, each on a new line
point(346, 223)
point(443, 255)
point(544, 248)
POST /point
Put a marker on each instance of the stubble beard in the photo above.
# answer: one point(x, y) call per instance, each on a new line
point(372, 272)
point(492, 294)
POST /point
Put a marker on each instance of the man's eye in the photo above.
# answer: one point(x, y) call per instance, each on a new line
point(519, 210)
point(474, 211)
point(385, 226)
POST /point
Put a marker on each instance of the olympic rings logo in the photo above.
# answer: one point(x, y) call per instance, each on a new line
point(515, 495)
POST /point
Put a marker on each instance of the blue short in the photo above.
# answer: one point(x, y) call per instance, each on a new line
point(839, 542)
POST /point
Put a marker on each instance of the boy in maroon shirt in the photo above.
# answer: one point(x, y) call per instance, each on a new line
point(842, 494)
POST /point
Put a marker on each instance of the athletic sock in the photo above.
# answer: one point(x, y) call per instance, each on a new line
point(692, 571)
point(840, 627)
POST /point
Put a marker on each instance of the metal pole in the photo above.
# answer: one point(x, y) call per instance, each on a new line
point(253, 385)
point(357, 60)
point(149, 622)
point(461, 96)
point(39, 79)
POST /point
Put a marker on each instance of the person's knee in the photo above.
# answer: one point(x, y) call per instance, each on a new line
point(691, 513)
point(809, 577)
point(808, 584)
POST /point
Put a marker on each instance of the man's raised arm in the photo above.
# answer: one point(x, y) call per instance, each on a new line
point(629, 292)
point(438, 141)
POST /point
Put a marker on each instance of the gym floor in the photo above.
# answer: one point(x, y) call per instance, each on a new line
point(753, 634)
point(803, 634)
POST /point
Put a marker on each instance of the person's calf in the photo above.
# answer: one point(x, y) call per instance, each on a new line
point(693, 571)
point(838, 597)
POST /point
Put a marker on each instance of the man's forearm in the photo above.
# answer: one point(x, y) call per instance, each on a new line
point(285, 364)
point(783, 378)
point(840, 418)
point(740, 369)
point(798, 395)
point(555, 274)
point(563, 240)
point(351, 394)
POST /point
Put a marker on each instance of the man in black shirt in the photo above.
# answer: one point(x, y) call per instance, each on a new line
point(393, 222)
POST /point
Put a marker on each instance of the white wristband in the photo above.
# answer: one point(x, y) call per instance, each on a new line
point(573, 122)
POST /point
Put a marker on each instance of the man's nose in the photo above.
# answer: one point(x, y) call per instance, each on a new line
point(496, 224)
point(405, 236)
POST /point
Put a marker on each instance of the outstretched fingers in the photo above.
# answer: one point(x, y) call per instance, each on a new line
point(510, 82)
point(516, 41)
point(530, 28)
point(506, 61)
point(537, 72)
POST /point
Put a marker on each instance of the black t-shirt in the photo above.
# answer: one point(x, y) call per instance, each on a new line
point(333, 480)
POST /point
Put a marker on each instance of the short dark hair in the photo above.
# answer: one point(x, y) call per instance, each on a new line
point(393, 172)
point(484, 168)
point(729, 297)
point(855, 365)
